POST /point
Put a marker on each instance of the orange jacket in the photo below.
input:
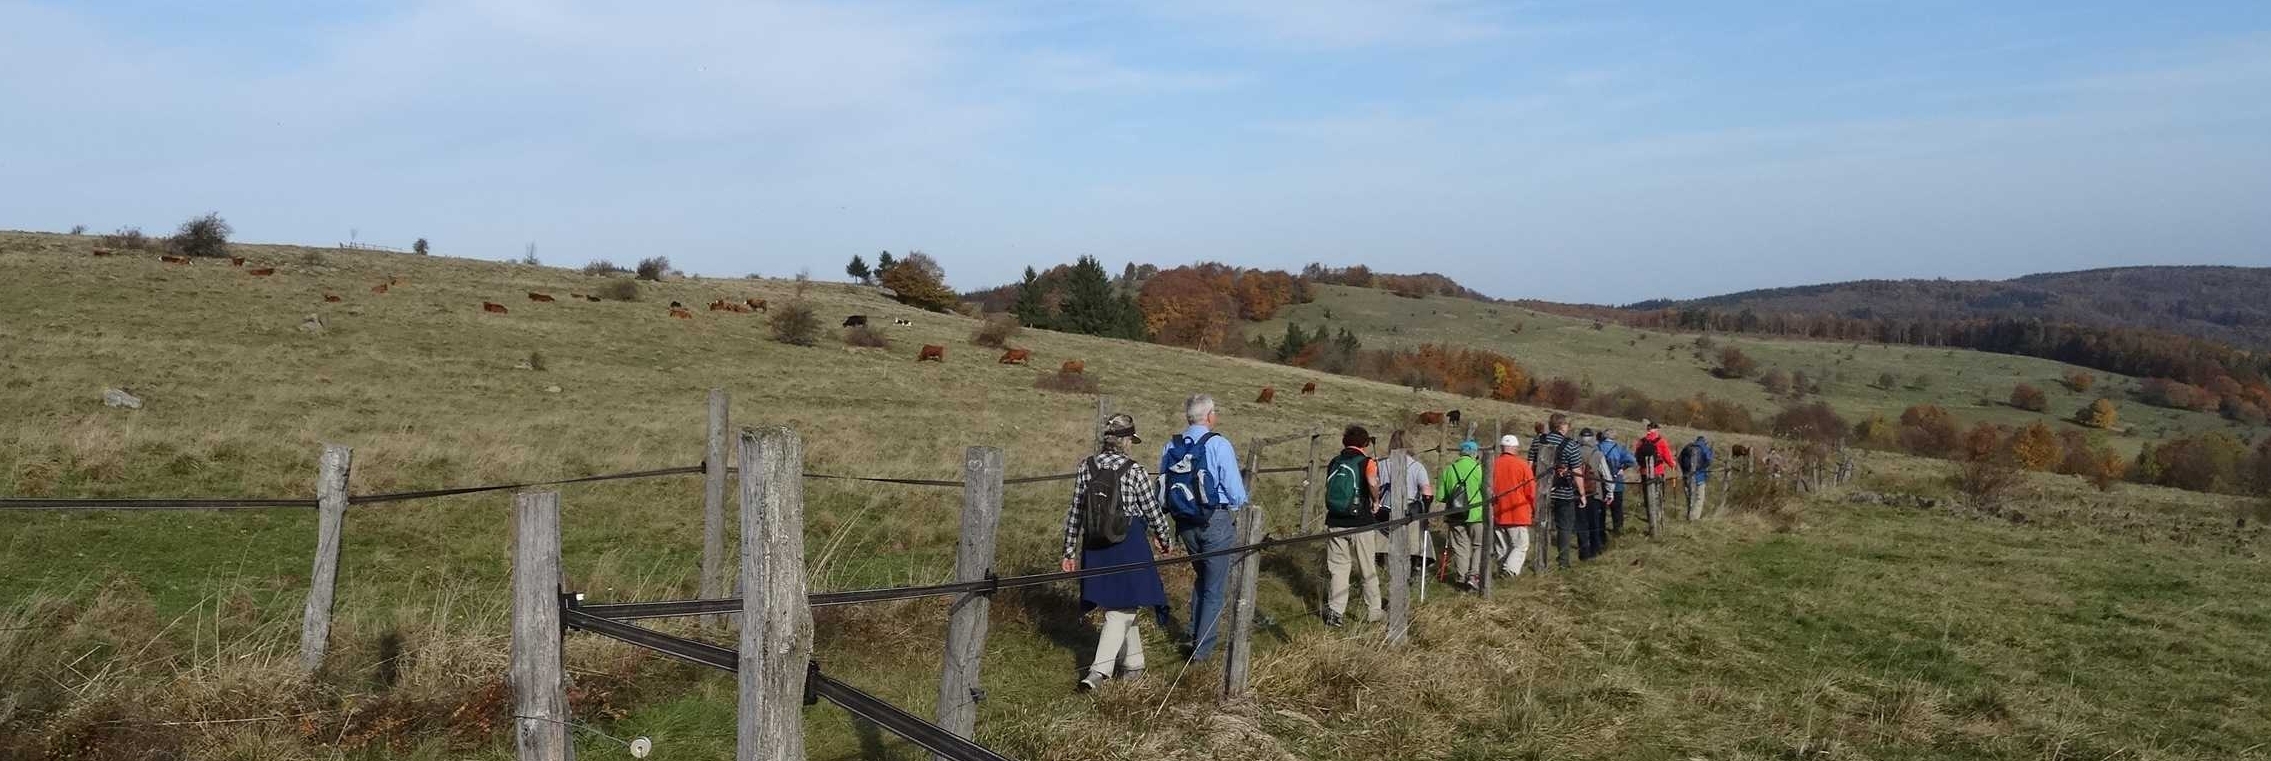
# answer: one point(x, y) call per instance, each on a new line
point(1517, 501)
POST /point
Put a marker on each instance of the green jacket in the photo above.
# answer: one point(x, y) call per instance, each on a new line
point(1465, 473)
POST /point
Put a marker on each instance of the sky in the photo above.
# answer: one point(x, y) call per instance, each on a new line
point(1574, 150)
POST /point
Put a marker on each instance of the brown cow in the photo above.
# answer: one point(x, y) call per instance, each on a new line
point(1017, 357)
point(1269, 394)
point(758, 304)
point(330, 298)
point(492, 307)
point(594, 299)
point(736, 307)
point(379, 289)
point(545, 298)
point(931, 352)
point(1741, 450)
point(171, 259)
point(577, 296)
point(102, 252)
point(718, 305)
point(1431, 418)
point(1308, 388)
point(262, 272)
point(681, 313)
point(676, 305)
point(1073, 367)
point(236, 261)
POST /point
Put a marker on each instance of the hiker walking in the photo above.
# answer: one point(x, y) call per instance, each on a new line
point(1565, 466)
point(1460, 485)
point(1422, 496)
point(1695, 468)
point(1620, 460)
point(1200, 485)
point(1593, 507)
point(1350, 503)
point(1514, 507)
point(1654, 455)
point(1115, 520)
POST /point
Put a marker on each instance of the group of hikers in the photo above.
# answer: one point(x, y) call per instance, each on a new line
point(1124, 514)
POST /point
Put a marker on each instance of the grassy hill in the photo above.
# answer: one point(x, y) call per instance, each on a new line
point(1974, 385)
point(2217, 303)
point(2088, 626)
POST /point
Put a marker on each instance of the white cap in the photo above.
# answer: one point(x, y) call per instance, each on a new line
point(1509, 440)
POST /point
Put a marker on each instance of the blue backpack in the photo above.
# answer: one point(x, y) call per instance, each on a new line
point(1185, 480)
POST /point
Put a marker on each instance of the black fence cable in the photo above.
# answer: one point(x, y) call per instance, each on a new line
point(817, 685)
point(372, 499)
point(16, 503)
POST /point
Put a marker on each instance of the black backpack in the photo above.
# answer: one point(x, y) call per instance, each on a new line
point(1102, 523)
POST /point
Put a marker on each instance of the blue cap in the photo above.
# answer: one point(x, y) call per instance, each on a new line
point(1469, 447)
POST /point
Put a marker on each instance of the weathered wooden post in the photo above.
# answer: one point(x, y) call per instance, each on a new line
point(714, 585)
point(1485, 553)
point(1103, 410)
point(1309, 478)
point(958, 686)
point(776, 630)
point(323, 579)
point(1237, 673)
point(538, 681)
point(1399, 549)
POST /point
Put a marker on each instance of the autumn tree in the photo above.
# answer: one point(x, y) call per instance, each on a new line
point(1928, 430)
point(1188, 307)
point(918, 281)
point(2100, 414)
point(1876, 432)
point(2029, 398)
point(2078, 381)
point(2036, 447)
point(1734, 364)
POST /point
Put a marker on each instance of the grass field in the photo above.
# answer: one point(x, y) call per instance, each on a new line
point(2102, 626)
point(1974, 385)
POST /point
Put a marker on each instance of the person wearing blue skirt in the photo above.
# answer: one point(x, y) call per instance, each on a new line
point(1115, 520)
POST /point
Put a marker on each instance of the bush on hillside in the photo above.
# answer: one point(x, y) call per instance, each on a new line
point(1733, 363)
point(1929, 431)
point(918, 281)
point(996, 330)
point(421, 247)
point(78, 229)
point(1775, 381)
point(866, 337)
point(2078, 381)
point(206, 236)
point(653, 268)
point(129, 238)
point(2029, 398)
point(620, 290)
point(1813, 423)
point(1070, 383)
point(2100, 414)
point(794, 324)
point(1985, 484)
point(601, 267)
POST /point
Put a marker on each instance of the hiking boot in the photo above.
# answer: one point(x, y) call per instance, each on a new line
point(1130, 674)
point(1089, 683)
point(1333, 620)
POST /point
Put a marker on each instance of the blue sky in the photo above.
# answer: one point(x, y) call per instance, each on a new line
point(1574, 151)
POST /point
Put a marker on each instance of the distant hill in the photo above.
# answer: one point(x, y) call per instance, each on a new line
point(2224, 304)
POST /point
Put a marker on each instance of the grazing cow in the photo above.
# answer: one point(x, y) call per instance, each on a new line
point(379, 289)
point(1269, 394)
point(676, 305)
point(1308, 388)
point(330, 298)
point(262, 272)
point(1073, 367)
point(757, 304)
point(1452, 416)
point(681, 313)
point(856, 321)
point(1431, 418)
point(593, 299)
point(1017, 357)
point(718, 305)
point(903, 322)
point(492, 307)
point(102, 252)
point(171, 259)
point(738, 308)
point(544, 298)
point(1741, 450)
point(236, 261)
point(933, 353)
point(574, 296)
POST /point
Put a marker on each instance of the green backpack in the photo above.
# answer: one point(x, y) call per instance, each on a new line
point(1345, 486)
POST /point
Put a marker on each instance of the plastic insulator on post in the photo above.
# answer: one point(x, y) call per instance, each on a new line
point(977, 694)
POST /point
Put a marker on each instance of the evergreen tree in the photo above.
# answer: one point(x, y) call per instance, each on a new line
point(1089, 306)
point(883, 264)
point(1031, 307)
point(858, 270)
point(1294, 341)
point(1127, 319)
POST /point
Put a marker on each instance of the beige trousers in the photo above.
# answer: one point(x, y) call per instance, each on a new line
point(1353, 552)
point(1121, 642)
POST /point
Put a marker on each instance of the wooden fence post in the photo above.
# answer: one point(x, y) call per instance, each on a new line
point(1399, 549)
point(714, 585)
point(323, 579)
point(958, 685)
point(1237, 672)
point(1103, 410)
point(1308, 479)
point(538, 681)
point(776, 623)
point(1486, 530)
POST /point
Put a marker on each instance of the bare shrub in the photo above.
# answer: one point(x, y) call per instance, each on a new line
point(1070, 383)
point(620, 290)
point(78, 229)
point(536, 361)
point(1985, 483)
point(653, 268)
point(421, 247)
point(996, 331)
point(129, 238)
point(206, 236)
point(602, 267)
point(866, 336)
point(2029, 398)
point(795, 324)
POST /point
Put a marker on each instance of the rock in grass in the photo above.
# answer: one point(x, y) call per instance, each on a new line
point(313, 324)
point(117, 397)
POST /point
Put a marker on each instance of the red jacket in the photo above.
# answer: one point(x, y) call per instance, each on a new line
point(1653, 445)
point(1517, 500)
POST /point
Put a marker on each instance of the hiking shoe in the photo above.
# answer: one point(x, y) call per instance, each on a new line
point(1130, 674)
point(1333, 620)
point(1089, 683)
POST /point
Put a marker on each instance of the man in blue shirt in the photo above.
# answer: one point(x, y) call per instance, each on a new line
point(1695, 466)
point(1620, 460)
point(1226, 495)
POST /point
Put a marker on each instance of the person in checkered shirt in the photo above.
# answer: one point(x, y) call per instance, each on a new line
point(1125, 594)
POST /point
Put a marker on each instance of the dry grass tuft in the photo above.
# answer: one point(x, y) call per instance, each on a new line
point(1070, 383)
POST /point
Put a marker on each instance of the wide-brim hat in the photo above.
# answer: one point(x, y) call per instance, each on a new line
point(1122, 425)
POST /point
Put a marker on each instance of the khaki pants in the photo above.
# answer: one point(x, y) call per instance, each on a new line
point(1512, 548)
point(1463, 565)
point(1120, 642)
point(1353, 551)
